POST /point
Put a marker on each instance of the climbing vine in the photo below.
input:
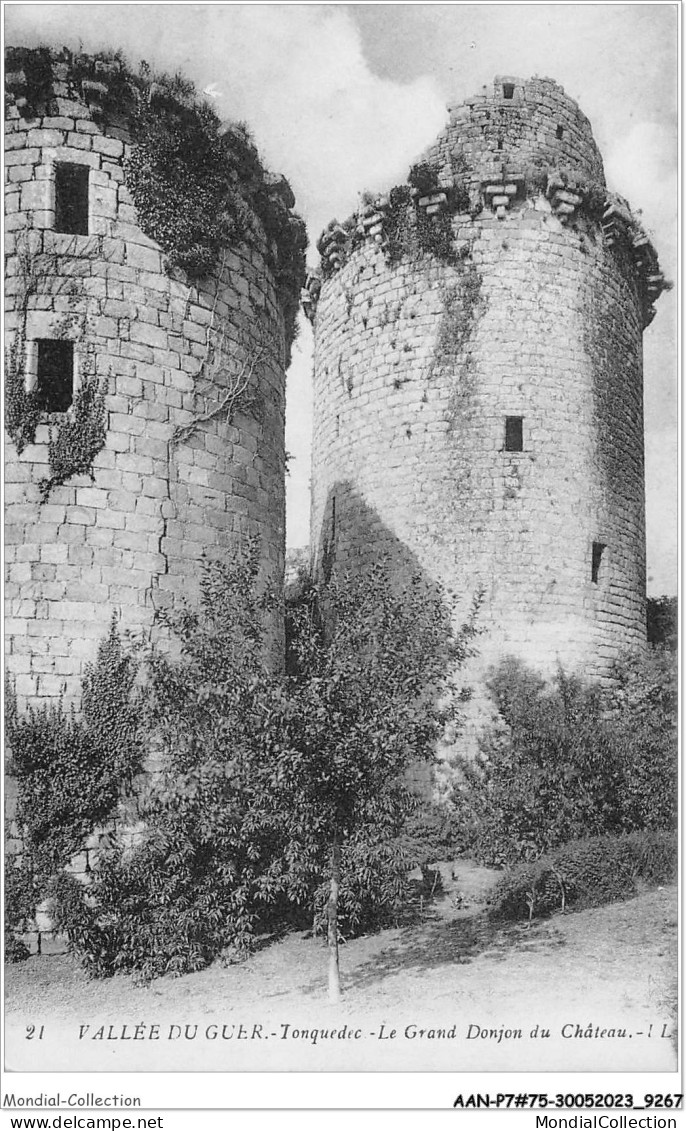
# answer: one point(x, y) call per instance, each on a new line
point(76, 439)
point(22, 410)
point(70, 770)
point(77, 435)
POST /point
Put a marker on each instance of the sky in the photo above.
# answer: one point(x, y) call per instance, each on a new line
point(341, 98)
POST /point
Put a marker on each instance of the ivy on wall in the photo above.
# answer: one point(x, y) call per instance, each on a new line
point(70, 773)
point(22, 410)
point(77, 438)
point(77, 435)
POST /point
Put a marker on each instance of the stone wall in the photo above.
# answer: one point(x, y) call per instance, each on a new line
point(168, 487)
point(532, 310)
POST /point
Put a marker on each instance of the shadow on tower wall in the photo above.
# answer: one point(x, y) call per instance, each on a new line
point(352, 539)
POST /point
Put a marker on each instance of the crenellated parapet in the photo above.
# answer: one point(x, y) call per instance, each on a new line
point(518, 147)
point(571, 200)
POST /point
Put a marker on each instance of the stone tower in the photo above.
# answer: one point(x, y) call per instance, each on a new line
point(144, 394)
point(478, 382)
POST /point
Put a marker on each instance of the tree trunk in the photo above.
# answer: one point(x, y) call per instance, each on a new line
point(332, 917)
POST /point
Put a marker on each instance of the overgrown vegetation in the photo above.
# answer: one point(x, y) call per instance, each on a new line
point(662, 616)
point(22, 407)
point(199, 187)
point(587, 873)
point(285, 796)
point(70, 771)
point(198, 184)
point(568, 761)
point(76, 439)
point(77, 435)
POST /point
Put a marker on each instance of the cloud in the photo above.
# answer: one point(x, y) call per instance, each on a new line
point(642, 165)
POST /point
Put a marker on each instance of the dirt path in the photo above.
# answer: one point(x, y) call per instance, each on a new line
point(601, 981)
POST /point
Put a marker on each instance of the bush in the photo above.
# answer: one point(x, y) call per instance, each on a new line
point(586, 873)
point(569, 760)
point(642, 716)
point(662, 620)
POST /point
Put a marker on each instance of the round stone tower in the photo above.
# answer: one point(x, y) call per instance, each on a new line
point(478, 383)
point(144, 389)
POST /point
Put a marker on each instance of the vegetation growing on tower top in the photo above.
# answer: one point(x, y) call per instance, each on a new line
point(198, 184)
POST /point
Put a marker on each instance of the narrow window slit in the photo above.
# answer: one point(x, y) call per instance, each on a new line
point(514, 433)
point(559, 133)
point(596, 558)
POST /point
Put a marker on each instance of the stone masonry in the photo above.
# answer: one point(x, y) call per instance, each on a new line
point(478, 402)
point(169, 486)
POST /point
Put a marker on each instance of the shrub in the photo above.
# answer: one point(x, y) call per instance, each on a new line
point(567, 761)
point(662, 621)
point(586, 873)
point(642, 717)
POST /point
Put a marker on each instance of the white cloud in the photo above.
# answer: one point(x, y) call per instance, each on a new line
point(642, 165)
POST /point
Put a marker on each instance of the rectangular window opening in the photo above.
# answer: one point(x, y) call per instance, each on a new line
point(508, 90)
point(514, 433)
point(500, 143)
point(596, 558)
point(71, 199)
point(55, 375)
point(559, 132)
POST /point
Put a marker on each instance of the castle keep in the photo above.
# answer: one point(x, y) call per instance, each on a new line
point(145, 387)
point(478, 382)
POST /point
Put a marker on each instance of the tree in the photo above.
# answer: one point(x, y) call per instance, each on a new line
point(370, 692)
point(662, 618)
point(275, 782)
point(568, 760)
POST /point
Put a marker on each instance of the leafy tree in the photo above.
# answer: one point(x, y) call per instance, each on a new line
point(368, 700)
point(662, 614)
point(568, 760)
point(276, 783)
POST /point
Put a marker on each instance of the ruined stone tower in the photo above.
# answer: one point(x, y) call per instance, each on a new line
point(144, 386)
point(478, 382)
